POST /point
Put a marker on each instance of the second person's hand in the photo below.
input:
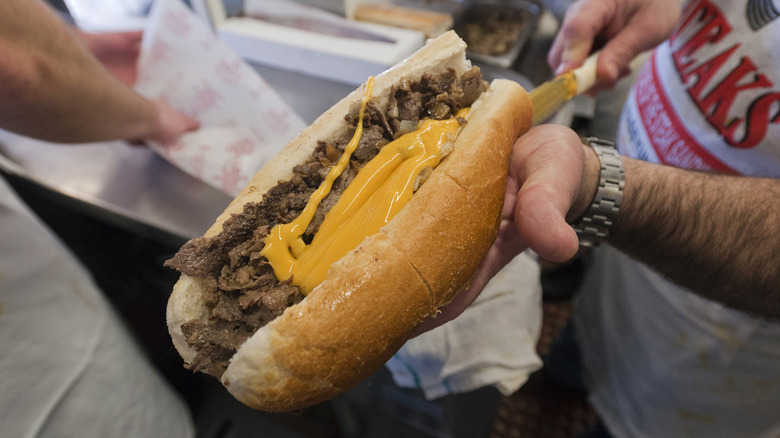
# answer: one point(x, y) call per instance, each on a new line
point(626, 28)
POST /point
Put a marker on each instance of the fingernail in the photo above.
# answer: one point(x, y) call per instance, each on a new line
point(563, 67)
point(565, 64)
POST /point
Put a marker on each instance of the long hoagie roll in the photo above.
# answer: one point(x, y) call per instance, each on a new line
point(279, 343)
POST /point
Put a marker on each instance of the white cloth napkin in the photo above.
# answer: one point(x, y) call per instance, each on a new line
point(244, 122)
point(68, 366)
point(492, 343)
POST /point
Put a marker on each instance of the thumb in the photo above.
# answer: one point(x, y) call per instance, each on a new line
point(549, 163)
point(172, 123)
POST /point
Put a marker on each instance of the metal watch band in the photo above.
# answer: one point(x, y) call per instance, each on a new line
point(593, 227)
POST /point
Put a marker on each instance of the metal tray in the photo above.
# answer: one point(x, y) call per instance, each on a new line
point(479, 19)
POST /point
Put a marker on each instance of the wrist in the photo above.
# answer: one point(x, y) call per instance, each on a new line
point(597, 220)
point(589, 184)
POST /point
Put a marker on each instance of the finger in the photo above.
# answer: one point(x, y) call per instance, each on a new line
point(548, 162)
point(134, 36)
point(133, 41)
point(542, 221)
point(171, 124)
point(584, 20)
point(641, 27)
point(604, 84)
point(616, 55)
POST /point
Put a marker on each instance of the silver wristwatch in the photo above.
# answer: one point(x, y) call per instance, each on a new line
point(593, 227)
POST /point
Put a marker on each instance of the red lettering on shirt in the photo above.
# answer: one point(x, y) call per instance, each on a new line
point(716, 104)
point(671, 141)
point(709, 26)
point(701, 74)
point(714, 28)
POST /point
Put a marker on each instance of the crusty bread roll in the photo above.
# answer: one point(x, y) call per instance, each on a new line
point(373, 298)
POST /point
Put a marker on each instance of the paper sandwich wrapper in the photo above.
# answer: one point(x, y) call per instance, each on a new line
point(244, 122)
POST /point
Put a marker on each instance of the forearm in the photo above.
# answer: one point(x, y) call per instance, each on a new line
point(715, 234)
point(60, 92)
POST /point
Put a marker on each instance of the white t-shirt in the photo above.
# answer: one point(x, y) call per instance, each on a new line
point(661, 361)
point(68, 367)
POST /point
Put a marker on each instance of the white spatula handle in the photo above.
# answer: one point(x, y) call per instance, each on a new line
point(585, 75)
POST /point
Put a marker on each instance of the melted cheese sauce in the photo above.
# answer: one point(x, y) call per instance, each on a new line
point(380, 189)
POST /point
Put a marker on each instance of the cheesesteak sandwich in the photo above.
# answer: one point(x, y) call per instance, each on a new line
point(364, 225)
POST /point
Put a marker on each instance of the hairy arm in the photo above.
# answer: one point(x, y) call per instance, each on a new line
point(714, 234)
point(52, 88)
point(717, 235)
